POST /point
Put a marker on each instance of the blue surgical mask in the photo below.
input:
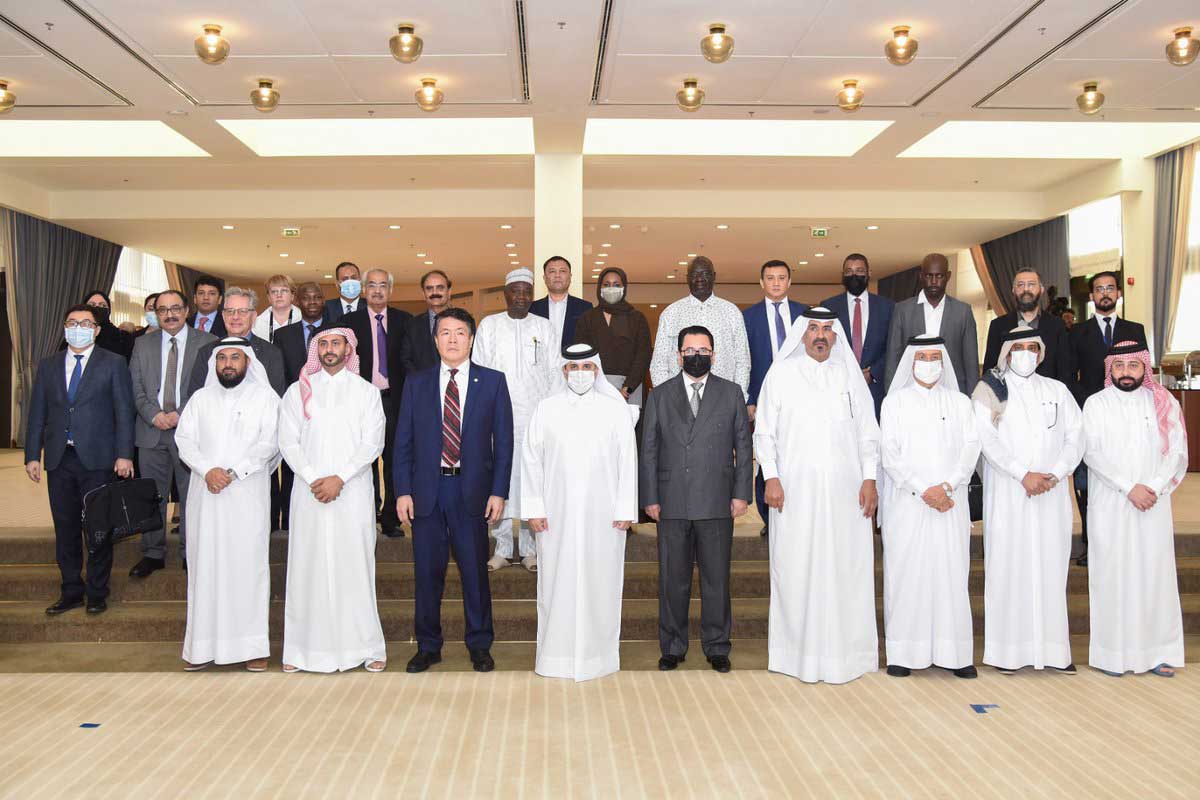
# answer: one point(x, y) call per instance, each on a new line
point(350, 288)
point(80, 338)
point(151, 319)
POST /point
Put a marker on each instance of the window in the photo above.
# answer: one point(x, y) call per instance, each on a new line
point(138, 276)
point(1186, 335)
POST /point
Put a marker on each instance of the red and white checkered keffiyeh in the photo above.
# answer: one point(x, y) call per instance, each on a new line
point(313, 364)
point(1162, 398)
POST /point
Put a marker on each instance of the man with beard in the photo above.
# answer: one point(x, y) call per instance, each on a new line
point(1027, 294)
point(866, 319)
point(418, 351)
point(1090, 342)
point(934, 313)
point(238, 314)
point(1137, 455)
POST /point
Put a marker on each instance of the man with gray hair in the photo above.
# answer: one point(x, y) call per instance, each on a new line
point(1027, 290)
point(238, 314)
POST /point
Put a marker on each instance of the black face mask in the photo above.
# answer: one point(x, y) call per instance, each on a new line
point(855, 284)
point(697, 366)
point(100, 313)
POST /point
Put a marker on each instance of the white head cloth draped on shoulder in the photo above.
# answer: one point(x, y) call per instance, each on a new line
point(313, 364)
point(255, 372)
point(585, 352)
point(840, 353)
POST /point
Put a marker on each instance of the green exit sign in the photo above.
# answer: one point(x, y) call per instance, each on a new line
point(291, 233)
point(820, 233)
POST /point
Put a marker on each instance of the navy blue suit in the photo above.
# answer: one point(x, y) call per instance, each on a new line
point(335, 309)
point(448, 511)
point(100, 421)
point(874, 352)
point(575, 309)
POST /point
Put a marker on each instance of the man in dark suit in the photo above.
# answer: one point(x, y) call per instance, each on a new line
point(1027, 292)
point(561, 308)
point(767, 325)
point(874, 317)
point(238, 315)
point(81, 421)
point(207, 295)
point(381, 330)
point(418, 350)
point(292, 340)
point(349, 297)
point(453, 461)
point(695, 478)
point(935, 313)
point(1090, 342)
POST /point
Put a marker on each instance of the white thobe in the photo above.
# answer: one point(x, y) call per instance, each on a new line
point(228, 542)
point(331, 621)
point(816, 431)
point(527, 352)
point(1133, 592)
point(928, 438)
point(580, 474)
point(1027, 540)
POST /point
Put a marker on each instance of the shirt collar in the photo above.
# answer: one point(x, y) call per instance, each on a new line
point(690, 381)
point(180, 337)
point(462, 368)
point(851, 297)
point(87, 352)
point(922, 299)
point(1100, 317)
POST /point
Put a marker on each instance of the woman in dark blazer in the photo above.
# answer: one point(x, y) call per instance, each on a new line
point(619, 332)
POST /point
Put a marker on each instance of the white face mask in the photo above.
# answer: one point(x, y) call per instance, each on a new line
point(151, 319)
point(1023, 362)
point(612, 294)
point(927, 372)
point(581, 381)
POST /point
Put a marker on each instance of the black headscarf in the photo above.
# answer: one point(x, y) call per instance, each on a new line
point(621, 307)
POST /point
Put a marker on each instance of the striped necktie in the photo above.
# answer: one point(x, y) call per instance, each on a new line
point(451, 423)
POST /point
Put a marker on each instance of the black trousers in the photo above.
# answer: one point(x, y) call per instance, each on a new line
point(1081, 497)
point(281, 496)
point(389, 520)
point(67, 485)
point(682, 543)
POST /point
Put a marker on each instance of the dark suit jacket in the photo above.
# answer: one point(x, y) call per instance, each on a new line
point(112, 339)
point(875, 343)
point(693, 467)
point(958, 329)
point(362, 322)
point(418, 351)
point(575, 307)
point(146, 370)
point(758, 333)
point(217, 328)
point(290, 341)
point(1058, 363)
point(100, 420)
point(267, 354)
point(486, 454)
point(1088, 352)
point(334, 309)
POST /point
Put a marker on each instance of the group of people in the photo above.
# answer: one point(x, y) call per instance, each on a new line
point(537, 422)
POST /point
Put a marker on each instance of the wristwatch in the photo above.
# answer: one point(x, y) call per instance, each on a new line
point(232, 475)
point(947, 488)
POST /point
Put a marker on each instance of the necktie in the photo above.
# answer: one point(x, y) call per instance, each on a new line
point(202, 323)
point(381, 345)
point(780, 333)
point(170, 402)
point(1108, 331)
point(348, 308)
point(451, 423)
point(695, 400)
point(856, 331)
point(76, 374)
point(308, 332)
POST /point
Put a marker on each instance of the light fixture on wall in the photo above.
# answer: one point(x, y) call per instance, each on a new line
point(1090, 101)
point(691, 96)
point(265, 98)
point(717, 47)
point(406, 45)
point(429, 97)
point(850, 97)
point(902, 48)
point(211, 47)
point(1183, 48)
point(7, 98)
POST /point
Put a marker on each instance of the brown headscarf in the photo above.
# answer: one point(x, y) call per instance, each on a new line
point(621, 307)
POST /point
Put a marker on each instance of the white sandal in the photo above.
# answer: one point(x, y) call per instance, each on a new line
point(369, 666)
point(288, 668)
point(196, 667)
point(529, 563)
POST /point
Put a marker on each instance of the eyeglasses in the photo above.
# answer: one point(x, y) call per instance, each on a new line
point(171, 309)
point(377, 285)
point(237, 312)
point(1105, 290)
point(693, 351)
point(280, 291)
point(1023, 285)
point(87, 323)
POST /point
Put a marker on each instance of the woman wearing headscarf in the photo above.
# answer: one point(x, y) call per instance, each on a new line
point(619, 333)
point(108, 336)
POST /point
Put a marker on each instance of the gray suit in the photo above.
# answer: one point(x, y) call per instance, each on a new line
point(692, 469)
point(158, 458)
point(958, 329)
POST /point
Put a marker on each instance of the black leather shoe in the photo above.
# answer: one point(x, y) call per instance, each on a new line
point(183, 563)
point(897, 671)
point(394, 533)
point(720, 663)
point(763, 531)
point(669, 662)
point(422, 661)
point(146, 566)
point(62, 605)
point(968, 671)
point(96, 606)
point(482, 661)
point(1069, 669)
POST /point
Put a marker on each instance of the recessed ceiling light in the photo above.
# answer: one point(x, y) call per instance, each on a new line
point(802, 263)
point(420, 255)
point(818, 255)
point(599, 263)
point(872, 227)
point(510, 244)
point(722, 227)
point(429, 263)
point(514, 263)
point(606, 244)
point(506, 227)
point(299, 263)
point(512, 255)
point(615, 226)
point(682, 263)
point(393, 227)
point(691, 255)
point(283, 255)
point(670, 277)
point(226, 227)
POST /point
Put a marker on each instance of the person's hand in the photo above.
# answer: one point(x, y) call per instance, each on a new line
point(1035, 483)
point(622, 524)
point(867, 374)
point(123, 467)
point(1143, 497)
point(774, 494)
point(653, 511)
point(750, 412)
point(34, 470)
point(868, 498)
point(161, 421)
point(173, 419)
point(217, 479)
point(327, 489)
point(404, 508)
point(624, 392)
point(538, 524)
point(936, 498)
point(738, 507)
point(494, 511)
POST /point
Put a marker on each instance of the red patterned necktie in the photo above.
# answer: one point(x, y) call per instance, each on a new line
point(203, 324)
point(856, 331)
point(451, 423)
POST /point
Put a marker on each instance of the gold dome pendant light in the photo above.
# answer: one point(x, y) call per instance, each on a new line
point(691, 96)
point(406, 45)
point(7, 98)
point(717, 47)
point(265, 98)
point(850, 97)
point(429, 97)
point(1183, 49)
point(901, 49)
point(1090, 101)
point(211, 47)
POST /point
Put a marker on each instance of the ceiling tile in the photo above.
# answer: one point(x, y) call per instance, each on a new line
point(1137, 30)
point(313, 79)
point(675, 27)
point(464, 79)
point(43, 80)
point(656, 79)
point(448, 27)
point(818, 80)
point(1055, 84)
point(13, 45)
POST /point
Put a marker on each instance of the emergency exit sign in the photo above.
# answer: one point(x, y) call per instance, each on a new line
point(291, 233)
point(819, 233)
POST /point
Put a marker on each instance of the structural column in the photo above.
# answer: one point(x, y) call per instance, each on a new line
point(558, 216)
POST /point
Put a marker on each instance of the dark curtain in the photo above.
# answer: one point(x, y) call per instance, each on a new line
point(902, 285)
point(1041, 247)
point(1172, 185)
point(49, 268)
point(187, 279)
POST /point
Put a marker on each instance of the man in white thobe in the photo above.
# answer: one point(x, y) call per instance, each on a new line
point(331, 428)
point(817, 442)
point(929, 447)
point(579, 486)
point(525, 348)
point(226, 436)
point(1032, 437)
point(1136, 456)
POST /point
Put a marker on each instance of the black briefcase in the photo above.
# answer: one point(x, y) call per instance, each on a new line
point(119, 510)
point(975, 497)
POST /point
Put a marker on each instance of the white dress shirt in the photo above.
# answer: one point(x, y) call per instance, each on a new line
point(933, 314)
point(349, 306)
point(211, 317)
point(266, 325)
point(558, 314)
point(866, 313)
point(461, 379)
point(1100, 323)
point(180, 345)
point(70, 365)
point(689, 382)
point(785, 311)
